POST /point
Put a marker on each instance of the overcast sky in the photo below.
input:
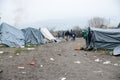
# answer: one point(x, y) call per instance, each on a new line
point(19, 12)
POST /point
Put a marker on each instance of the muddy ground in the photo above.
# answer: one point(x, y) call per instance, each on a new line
point(58, 61)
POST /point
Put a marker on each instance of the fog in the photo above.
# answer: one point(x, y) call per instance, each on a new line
point(21, 13)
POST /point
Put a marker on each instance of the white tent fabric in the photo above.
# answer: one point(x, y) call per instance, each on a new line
point(47, 34)
point(116, 51)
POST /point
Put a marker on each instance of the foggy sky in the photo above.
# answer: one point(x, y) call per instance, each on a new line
point(19, 12)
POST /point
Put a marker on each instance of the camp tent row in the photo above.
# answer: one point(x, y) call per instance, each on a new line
point(32, 36)
point(13, 37)
point(104, 38)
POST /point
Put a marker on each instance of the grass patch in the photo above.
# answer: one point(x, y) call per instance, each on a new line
point(31, 45)
point(18, 51)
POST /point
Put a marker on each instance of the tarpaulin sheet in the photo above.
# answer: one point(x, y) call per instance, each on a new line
point(32, 36)
point(11, 36)
point(105, 38)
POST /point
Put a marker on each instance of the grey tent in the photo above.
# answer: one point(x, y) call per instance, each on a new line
point(32, 36)
point(116, 50)
point(11, 36)
point(119, 25)
point(104, 38)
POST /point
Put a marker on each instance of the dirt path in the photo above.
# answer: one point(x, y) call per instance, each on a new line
point(59, 61)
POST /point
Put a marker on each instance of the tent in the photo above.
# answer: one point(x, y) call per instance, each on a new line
point(104, 38)
point(116, 51)
point(119, 25)
point(47, 34)
point(11, 36)
point(32, 36)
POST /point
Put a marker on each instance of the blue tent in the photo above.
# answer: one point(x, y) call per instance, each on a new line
point(32, 36)
point(11, 36)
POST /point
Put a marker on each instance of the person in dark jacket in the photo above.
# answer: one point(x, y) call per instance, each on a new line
point(73, 36)
point(67, 33)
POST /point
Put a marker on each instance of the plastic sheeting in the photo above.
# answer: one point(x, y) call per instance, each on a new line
point(116, 51)
point(105, 38)
point(11, 36)
point(32, 36)
point(47, 34)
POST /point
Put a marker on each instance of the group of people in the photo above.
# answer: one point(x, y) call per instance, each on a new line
point(68, 35)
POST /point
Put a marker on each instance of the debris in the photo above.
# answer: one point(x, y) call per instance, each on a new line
point(116, 51)
point(30, 48)
point(32, 63)
point(21, 67)
point(51, 59)
point(65, 38)
point(98, 60)
point(63, 78)
point(111, 53)
point(1, 71)
point(22, 46)
point(1, 52)
point(23, 72)
point(17, 54)
point(10, 56)
point(59, 54)
point(78, 48)
point(107, 62)
point(116, 64)
point(58, 40)
point(77, 62)
point(41, 65)
point(97, 71)
point(74, 55)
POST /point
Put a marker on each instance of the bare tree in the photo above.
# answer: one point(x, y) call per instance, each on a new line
point(98, 22)
point(77, 30)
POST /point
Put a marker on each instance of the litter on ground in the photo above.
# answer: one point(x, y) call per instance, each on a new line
point(1, 52)
point(23, 72)
point(107, 62)
point(32, 63)
point(63, 78)
point(41, 65)
point(10, 56)
point(17, 54)
point(97, 71)
point(30, 48)
point(1, 71)
point(21, 67)
point(77, 62)
point(116, 64)
point(52, 59)
point(98, 60)
point(78, 48)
